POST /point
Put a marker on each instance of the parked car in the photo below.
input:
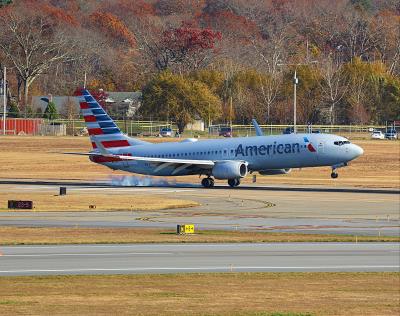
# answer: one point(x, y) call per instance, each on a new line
point(288, 130)
point(377, 135)
point(166, 132)
point(391, 134)
point(225, 131)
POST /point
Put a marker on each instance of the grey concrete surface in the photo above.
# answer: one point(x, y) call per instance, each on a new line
point(258, 208)
point(179, 258)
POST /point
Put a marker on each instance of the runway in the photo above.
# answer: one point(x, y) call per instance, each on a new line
point(284, 208)
point(181, 258)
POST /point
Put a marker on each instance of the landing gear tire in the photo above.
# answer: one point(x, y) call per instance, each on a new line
point(334, 175)
point(207, 182)
point(233, 182)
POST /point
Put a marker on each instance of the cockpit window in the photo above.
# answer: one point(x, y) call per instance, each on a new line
point(341, 142)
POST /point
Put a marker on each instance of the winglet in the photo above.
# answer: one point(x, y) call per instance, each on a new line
point(257, 127)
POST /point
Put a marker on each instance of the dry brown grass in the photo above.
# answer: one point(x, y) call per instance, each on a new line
point(203, 294)
point(79, 235)
point(31, 157)
point(76, 201)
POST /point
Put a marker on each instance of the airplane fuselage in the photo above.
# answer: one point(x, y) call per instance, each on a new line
point(259, 152)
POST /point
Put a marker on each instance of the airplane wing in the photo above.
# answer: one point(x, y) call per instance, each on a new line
point(203, 164)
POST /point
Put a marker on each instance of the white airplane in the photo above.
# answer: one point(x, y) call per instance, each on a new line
point(225, 159)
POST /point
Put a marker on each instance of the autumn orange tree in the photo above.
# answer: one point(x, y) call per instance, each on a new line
point(113, 27)
point(183, 49)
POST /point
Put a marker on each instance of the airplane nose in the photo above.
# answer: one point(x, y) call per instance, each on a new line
point(358, 151)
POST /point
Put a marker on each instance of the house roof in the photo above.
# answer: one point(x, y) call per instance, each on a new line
point(124, 96)
point(113, 97)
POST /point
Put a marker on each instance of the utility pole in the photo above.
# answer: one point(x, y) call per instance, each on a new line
point(295, 83)
point(230, 110)
point(209, 114)
point(84, 81)
point(4, 99)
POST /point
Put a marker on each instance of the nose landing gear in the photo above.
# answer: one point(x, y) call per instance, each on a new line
point(207, 182)
point(334, 173)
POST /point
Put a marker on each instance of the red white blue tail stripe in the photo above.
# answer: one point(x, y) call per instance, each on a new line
point(99, 124)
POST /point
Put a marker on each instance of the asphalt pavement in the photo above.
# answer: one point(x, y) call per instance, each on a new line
point(284, 208)
point(181, 258)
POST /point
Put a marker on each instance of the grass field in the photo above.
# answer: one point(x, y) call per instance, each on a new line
point(80, 235)
point(245, 294)
point(77, 201)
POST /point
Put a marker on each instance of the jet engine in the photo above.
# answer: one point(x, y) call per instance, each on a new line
point(272, 172)
point(229, 169)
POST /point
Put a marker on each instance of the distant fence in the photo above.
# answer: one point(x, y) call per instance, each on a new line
point(248, 130)
point(129, 127)
point(60, 127)
point(18, 126)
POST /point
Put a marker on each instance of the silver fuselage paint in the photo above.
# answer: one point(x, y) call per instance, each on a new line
point(260, 152)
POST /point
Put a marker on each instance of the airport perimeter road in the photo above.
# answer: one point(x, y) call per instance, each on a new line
point(178, 258)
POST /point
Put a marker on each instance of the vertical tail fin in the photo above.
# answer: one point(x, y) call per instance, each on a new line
point(101, 126)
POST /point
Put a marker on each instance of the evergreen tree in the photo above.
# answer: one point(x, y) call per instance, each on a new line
point(51, 111)
point(13, 111)
point(5, 2)
point(28, 112)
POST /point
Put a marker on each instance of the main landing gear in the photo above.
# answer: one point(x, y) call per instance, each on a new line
point(207, 182)
point(233, 182)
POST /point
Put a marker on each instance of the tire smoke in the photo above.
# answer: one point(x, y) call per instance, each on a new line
point(146, 181)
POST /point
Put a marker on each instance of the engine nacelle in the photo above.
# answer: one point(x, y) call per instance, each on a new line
point(272, 172)
point(229, 170)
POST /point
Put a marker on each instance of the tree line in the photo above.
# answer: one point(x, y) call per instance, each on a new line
point(222, 61)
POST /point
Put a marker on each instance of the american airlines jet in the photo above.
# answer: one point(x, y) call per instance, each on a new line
point(225, 159)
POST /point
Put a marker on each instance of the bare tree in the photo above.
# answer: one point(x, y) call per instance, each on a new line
point(270, 55)
point(334, 84)
point(32, 44)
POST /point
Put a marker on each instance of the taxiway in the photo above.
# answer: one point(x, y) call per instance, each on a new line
point(303, 209)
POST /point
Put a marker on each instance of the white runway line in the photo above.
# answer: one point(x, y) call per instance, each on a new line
point(227, 268)
point(92, 254)
point(206, 245)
